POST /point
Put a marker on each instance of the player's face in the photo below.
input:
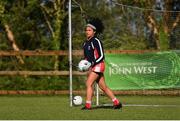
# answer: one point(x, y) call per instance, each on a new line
point(89, 32)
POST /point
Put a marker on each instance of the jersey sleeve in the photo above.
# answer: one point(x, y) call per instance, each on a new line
point(98, 51)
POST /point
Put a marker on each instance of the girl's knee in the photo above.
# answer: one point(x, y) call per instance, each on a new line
point(88, 85)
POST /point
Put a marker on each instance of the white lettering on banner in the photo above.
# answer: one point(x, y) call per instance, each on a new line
point(132, 70)
point(145, 70)
point(120, 70)
point(131, 64)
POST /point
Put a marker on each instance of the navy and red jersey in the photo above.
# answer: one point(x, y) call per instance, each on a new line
point(93, 51)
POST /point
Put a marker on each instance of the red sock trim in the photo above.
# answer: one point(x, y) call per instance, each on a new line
point(88, 105)
point(116, 102)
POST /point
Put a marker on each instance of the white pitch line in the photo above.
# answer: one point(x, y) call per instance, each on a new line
point(144, 105)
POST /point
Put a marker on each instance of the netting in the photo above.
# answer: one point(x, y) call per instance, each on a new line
point(130, 27)
point(152, 70)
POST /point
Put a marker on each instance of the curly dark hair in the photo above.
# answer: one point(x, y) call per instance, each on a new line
point(97, 23)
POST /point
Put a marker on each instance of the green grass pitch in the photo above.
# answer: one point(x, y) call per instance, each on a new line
point(57, 107)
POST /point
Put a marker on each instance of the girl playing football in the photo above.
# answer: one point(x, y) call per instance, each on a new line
point(94, 53)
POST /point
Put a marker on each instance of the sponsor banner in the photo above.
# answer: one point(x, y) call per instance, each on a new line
point(156, 70)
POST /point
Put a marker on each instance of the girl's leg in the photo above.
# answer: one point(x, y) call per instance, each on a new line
point(104, 87)
point(108, 91)
point(89, 88)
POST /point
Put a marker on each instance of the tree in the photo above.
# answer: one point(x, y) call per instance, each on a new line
point(55, 10)
point(8, 31)
point(35, 25)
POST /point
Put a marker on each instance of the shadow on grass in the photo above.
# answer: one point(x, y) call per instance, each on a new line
point(104, 107)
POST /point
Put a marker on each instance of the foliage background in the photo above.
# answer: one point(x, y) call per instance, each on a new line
point(43, 25)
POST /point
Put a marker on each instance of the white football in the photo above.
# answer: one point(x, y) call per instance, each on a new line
point(77, 100)
point(84, 65)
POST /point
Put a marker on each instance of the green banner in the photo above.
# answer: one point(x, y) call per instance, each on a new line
point(155, 70)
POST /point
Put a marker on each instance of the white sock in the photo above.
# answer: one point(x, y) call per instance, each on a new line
point(114, 99)
point(88, 102)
